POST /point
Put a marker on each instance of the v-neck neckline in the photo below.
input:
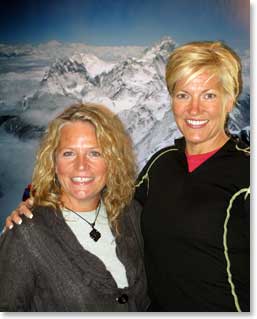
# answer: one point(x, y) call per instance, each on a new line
point(207, 161)
point(90, 262)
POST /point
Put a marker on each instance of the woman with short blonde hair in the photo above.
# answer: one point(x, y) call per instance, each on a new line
point(195, 193)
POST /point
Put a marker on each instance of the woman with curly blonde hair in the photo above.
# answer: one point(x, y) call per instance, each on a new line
point(116, 150)
point(82, 249)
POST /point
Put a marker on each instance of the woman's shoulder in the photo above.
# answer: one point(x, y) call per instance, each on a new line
point(45, 212)
point(42, 217)
point(239, 146)
point(234, 161)
point(239, 153)
point(164, 152)
point(159, 158)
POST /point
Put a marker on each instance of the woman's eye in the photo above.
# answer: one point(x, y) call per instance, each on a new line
point(67, 153)
point(181, 96)
point(209, 96)
point(95, 154)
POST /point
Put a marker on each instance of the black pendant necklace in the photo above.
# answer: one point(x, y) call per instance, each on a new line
point(94, 234)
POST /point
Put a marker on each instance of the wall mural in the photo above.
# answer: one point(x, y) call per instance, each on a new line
point(53, 54)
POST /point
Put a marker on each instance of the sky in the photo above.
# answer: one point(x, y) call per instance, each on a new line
point(124, 22)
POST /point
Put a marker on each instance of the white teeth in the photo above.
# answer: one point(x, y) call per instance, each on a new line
point(197, 122)
point(82, 179)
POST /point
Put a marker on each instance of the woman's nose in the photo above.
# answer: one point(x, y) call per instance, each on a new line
point(82, 162)
point(194, 106)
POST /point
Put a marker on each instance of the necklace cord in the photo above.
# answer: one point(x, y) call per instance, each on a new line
point(94, 234)
point(91, 224)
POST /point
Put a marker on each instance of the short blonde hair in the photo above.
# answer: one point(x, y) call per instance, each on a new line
point(117, 151)
point(192, 59)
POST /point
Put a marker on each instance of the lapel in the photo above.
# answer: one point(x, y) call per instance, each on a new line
point(90, 265)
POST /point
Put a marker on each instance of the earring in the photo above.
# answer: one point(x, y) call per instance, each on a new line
point(56, 181)
point(104, 190)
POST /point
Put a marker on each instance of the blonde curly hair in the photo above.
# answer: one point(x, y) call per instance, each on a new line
point(116, 148)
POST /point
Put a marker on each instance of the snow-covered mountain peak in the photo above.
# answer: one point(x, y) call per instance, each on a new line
point(162, 48)
point(92, 63)
point(134, 88)
point(126, 84)
point(65, 66)
point(67, 77)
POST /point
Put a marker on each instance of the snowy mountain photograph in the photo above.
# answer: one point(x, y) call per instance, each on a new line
point(39, 77)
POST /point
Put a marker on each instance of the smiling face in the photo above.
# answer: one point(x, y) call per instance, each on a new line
point(80, 166)
point(200, 112)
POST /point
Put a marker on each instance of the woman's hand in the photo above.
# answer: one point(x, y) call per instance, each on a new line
point(24, 208)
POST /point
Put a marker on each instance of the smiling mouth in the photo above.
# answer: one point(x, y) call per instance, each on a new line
point(82, 180)
point(196, 123)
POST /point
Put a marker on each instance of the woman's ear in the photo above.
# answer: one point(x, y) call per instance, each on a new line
point(229, 104)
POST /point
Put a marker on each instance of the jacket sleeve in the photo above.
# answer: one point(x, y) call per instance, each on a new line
point(16, 273)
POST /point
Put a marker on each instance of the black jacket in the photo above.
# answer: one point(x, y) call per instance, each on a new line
point(43, 267)
point(196, 230)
